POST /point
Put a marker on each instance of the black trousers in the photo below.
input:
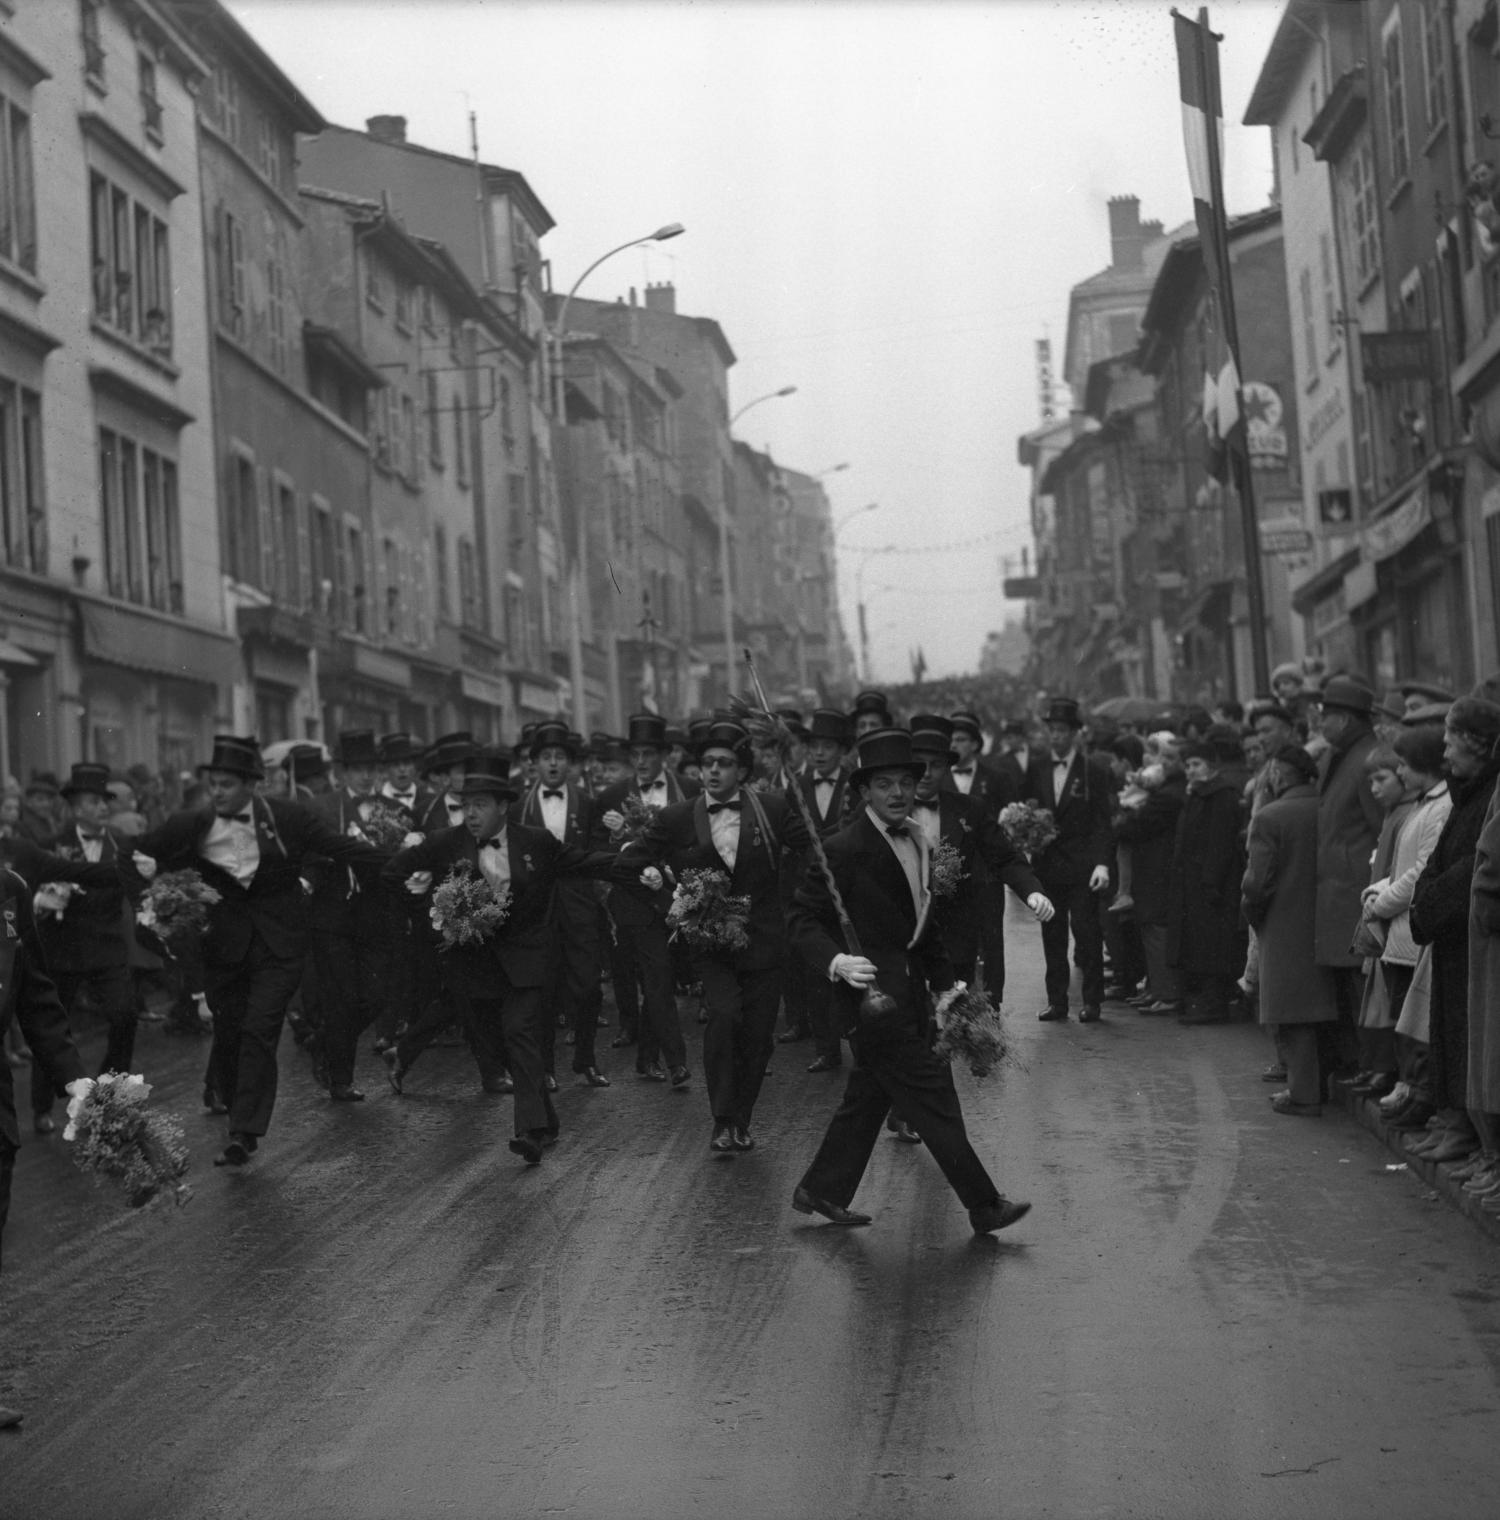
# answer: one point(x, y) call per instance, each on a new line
point(896, 1072)
point(7, 1171)
point(508, 1027)
point(430, 1020)
point(739, 1037)
point(572, 991)
point(249, 1001)
point(352, 984)
point(110, 989)
point(1078, 909)
point(824, 1016)
point(643, 952)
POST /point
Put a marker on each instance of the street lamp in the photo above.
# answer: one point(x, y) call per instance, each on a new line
point(832, 469)
point(560, 417)
point(786, 390)
point(848, 517)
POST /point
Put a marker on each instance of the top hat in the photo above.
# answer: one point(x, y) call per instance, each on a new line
point(239, 756)
point(1017, 726)
point(553, 733)
point(967, 723)
point(1063, 710)
point(886, 749)
point(792, 717)
point(677, 736)
point(829, 723)
point(872, 701)
point(87, 777)
point(357, 747)
point(608, 748)
point(304, 761)
point(599, 738)
point(647, 729)
point(448, 750)
point(932, 735)
point(43, 781)
point(727, 734)
point(488, 774)
point(1345, 694)
point(394, 748)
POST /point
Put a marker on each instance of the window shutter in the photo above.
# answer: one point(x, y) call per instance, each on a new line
point(265, 488)
point(304, 587)
point(409, 620)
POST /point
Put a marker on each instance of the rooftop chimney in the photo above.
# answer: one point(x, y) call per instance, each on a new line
point(661, 297)
point(1126, 235)
point(389, 129)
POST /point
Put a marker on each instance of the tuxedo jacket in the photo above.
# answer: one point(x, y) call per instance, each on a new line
point(992, 788)
point(576, 902)
point(521, 946)
point(680, 838)
point(432, 815)
point(291, 838)
point(1085, 838)
point(347, 899)
point(905, 945)
point(632, 906)
point(90, 936)
point(28, 998)
point(420, 804)
point(839, 802)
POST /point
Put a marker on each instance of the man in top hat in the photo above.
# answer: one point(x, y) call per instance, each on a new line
point(443, 767)
point(523, 761)
point(85, 945)
point(972, 775)
point(254, 852)
point(504, 975)
point(741, 835)
point(880, 865)
point(641, 960)
point(400, 761)
point(307, 769)
point(558, 804)
point(872, 711)
point(1076, 788)
point(1015, 757)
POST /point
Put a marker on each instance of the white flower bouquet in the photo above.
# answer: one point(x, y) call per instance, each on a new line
point(115, 1136)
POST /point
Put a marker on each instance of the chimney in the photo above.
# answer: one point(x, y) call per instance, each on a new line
point(387, 129)
point(1126, 235)
point(662, 297)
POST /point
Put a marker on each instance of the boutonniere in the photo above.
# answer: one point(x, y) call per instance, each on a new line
point(965, 825)
point(526, 861)
point(10, 924)
point(69, 852)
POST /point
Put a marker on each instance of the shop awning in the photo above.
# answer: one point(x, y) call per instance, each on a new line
point(158, 645)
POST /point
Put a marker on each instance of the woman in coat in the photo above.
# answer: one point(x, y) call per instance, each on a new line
point(1440, 918)
point(1280, 894)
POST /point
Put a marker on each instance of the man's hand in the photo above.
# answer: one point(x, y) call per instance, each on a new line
point(614, 820)
point(412, 837)
point(144, 864)
point(1099, 881)
point(651, 879)
point(1041, 905)
point(419, 883)
point(853, 969)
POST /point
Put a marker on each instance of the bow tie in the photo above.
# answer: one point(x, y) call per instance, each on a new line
point(732, 806)
point(493, 844)
point(549, 792)
point(963, 770)
point(825, 780)
point(653, 786)
point(408, 796)
point(236, 817)
point(898, 831)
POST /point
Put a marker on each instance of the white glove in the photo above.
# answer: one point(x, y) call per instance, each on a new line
point(1099, 881)
point(144, 864)
point(412, 837)
point(419, 883)
point(651, 879)
point(853, 969)
point(1041, 905)
point(52, 897)
point(614, 820)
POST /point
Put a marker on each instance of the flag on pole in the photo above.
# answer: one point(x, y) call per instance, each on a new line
point(1203, 137)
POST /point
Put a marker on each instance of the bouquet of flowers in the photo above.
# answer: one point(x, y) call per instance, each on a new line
point(382, 824)
point(637, 817)
point(116, 1136)
point(945, 869)
point(1029, 827)
point(52, 898)
point(973, 1032)
point(707, 915)
point(466, 909)
point(176, 907)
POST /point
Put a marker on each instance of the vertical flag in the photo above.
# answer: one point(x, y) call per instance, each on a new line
point(1203, 137)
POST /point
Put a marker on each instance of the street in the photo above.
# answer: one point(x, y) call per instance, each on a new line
point(1211, 1310)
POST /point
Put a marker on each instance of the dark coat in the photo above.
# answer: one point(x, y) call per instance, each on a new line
point(28, 998)
point(908, 954)
point(1084, 837)
point(680, 838)
point(1151, 832)
point(274, 905)
point(632, 905)
point(433, 815)
point(994, 785)
point(521, 946)
point(348, 900)
point(1204, 937)
point(90, 936)
point(1349, 820)
point(838, 804)
point(575, 905)
point(1279, 894)
point(1484, 967)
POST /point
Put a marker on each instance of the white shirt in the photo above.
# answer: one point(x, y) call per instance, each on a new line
point(231, 845)
point(494, 860)
point(1060, 765)
point(964, 780)
point(724, 825)
point(928, 817)
point(455, 806)
point(93, 849)
point(1022, 756)
point(554, 811)
point(407, 799)
point(905, 849)
point(655, 794)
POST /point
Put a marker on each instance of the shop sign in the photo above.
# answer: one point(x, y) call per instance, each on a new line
point(537, 697)
point(1392, 356)
point(1390, 534)
point(1284, 535)
point(1264, 429)
point(1329, 613)
point(1328, 414)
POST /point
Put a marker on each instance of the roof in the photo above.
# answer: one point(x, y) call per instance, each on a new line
point(214, 22)
point(1295, 37)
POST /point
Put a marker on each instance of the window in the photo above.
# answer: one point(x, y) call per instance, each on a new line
point(411, 439)
point(151, 111)
point(514, 631)
point(354, 578)
point(225, 112)
point(1391, 69)
point(268, 157)
point(142, 523)
point(374, 285)
point(403, 304)
point(242, 521)
point(131, 267)
point(1330, 292)
point(277, 298)
point(470, 612)
point(326, 582)
point(17, 187)
point(440, 571)
point(23, 507)
point(288, 555)
point(507, 433)
point(390, 560)
point(432, 405)
point(93, 41)
point(1434, 66)
point(1363, 214)
point(460, 448)
point(429, 315)
point(230, 273)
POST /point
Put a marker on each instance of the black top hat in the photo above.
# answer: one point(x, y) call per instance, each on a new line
point(725, 734)
point(829, 723)
point(792, 717)
point(304, 761)
point(238, 755)
point(886, 749)
point(448, 750)
point(395, 748)
point(488, 774)
point(43, 781)
point(357, 747)
point(599, 738)
point(872, 701)
point(676, 735)
point(608, 747)
point(647, 729)
point(967, 723)
point(579, 743)
point(553, 733)
point(932, 735)
point(1063, 710)
point(1345, 694)
point(87, 777)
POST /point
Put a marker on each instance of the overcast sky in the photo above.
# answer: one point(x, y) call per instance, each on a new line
point(886, 205)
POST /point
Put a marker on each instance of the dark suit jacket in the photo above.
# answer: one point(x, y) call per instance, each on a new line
point(347, 898)
point(28, 997)
point(90, 936)
point(632, 905)
point(838, 804)
point(1084, 839)
point(680, 838)
point(291, 838)
point(908, 955)
point(1151, 832)
point(576, 901)
point(994, 785)
point(433, 815)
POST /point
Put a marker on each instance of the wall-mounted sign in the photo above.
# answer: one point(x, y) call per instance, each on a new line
point(1390, 534)
point(1336, 509)
point(1285, 536)
point(1265, 434)
point(1392, 356)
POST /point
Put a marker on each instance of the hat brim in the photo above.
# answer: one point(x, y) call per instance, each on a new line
point(487, 788)
point(70, 791)
point(257, 774)
point(915, 769)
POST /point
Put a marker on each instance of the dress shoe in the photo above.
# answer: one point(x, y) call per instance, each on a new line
point(1275, 1072)
point(1091, 1014)
point(10, 1418)
point(212, 1103)
point(743, 1139)
point(1052, 1016)
point(1376, 1085)
point(1119, 994)
point(902, 1130)
point(680, 1076)
point(1471, 1166)
point(1397, 1098)
point(1142, 1000)
point(1414, 1116)
point(1282, 1103)
point(500, 1084)
point(43, 1124)
point(1483, 1184)
point(528, 1148)
point(620, 1041)
point(394, 1070)
point(996, 1216)
point(1456, 1145)
point(792, 1036)
point(652, 1071)
point(722, 1143)
point(548, 1138)
point(345, 1092)
point(549, 1083)
point(593, 1077)
point(237, 1152)
point(805, 1203)
point(1355, 1079)
point(826, 1063)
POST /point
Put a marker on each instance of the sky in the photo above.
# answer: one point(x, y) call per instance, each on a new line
point(886, 205)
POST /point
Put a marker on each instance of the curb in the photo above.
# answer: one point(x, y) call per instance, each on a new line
point(1368, 1114)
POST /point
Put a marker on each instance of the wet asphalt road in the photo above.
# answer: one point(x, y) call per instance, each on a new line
point(1211, 1312)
